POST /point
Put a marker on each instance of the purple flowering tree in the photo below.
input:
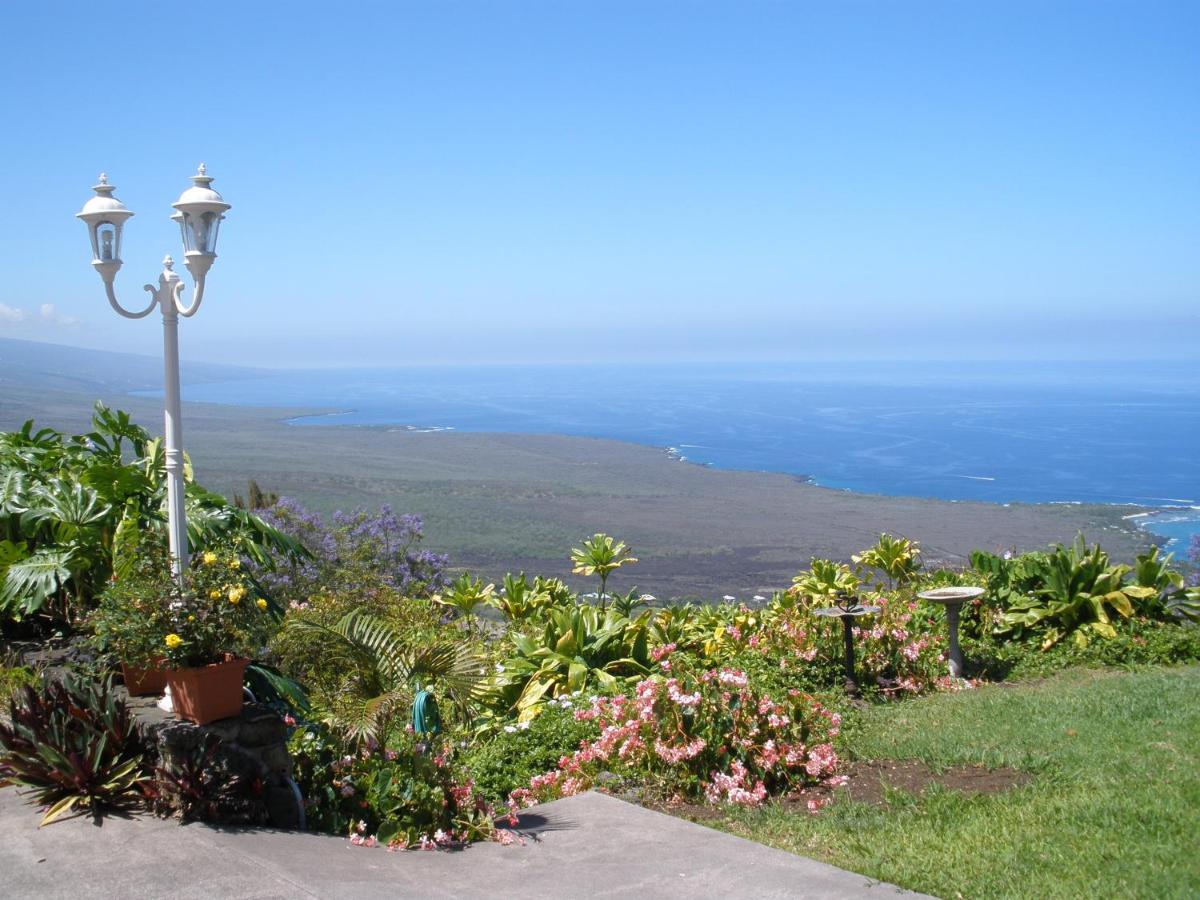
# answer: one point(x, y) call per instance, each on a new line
point(362, 551)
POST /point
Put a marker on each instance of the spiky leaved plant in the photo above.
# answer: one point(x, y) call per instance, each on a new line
point(75, 745)
point(898, 558)
point(601, 555)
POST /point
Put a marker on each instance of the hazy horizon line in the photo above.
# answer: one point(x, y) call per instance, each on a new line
point(641, 361)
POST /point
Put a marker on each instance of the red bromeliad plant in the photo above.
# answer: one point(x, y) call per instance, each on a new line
point(703, 733)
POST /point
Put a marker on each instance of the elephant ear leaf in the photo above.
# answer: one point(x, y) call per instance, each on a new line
point(1139, 592)
point(1104, 629)
point(1119, 601)
point(532, 695)
point(576, 675)
point(567, 644)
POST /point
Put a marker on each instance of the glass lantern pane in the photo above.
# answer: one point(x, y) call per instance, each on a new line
point(212, 234)
point(106, 239)
point(200, 231)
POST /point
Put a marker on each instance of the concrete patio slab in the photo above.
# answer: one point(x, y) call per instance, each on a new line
point(586, 846)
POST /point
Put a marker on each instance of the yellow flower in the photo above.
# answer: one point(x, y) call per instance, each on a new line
point(260, 603)
point(236, 594)
point(214, 594)
point(173, 641)
point(191, 618)
point(235, 564)
point(209, 558)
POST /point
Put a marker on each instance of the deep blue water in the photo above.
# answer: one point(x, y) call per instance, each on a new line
point(1107, 432)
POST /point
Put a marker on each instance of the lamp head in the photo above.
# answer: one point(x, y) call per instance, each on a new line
point(200, 211)
point(105, 217)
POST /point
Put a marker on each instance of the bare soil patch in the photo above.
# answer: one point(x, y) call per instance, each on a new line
point(868, 781)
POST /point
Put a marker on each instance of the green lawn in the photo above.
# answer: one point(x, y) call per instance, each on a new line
point(1113, 810)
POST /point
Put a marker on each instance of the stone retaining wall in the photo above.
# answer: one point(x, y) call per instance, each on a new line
point(253, 748)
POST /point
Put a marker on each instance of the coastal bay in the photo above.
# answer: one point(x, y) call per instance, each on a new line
point(508, 502)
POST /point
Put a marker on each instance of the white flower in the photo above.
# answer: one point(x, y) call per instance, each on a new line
point(524, 726)
point(499, 668)
point(510, 729)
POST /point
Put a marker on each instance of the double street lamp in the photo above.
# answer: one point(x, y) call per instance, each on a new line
point(199, 212)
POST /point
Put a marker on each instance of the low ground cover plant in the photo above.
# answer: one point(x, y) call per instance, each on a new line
point(513, 753)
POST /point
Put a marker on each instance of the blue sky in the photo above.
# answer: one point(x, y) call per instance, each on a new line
point(617, 181)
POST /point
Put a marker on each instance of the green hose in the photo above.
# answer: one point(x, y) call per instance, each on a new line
point(425, 716)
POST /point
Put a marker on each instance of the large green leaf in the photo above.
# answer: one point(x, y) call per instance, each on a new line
point(29, 583)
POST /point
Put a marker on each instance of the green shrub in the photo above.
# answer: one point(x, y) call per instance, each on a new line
point(1138, 642)
point(406, 796)
point(518, 752)
point(132, 619)
point(1076, 592)
point(13, 678)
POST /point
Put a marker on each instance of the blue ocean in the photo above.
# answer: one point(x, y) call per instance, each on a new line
point(1106, 432)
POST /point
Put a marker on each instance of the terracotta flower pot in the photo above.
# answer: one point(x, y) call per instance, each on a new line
point(144, 682)
point(207, 693)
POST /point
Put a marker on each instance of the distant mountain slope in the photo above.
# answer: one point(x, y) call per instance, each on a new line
point(59, 367)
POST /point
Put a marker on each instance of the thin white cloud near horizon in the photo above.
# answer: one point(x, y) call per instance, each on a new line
point(47, 315)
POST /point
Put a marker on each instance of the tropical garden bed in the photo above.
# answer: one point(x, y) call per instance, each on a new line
point(415, 721)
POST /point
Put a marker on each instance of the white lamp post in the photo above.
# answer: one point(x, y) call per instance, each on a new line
point(200, 210)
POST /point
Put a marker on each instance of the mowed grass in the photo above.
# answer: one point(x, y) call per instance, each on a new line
point(1113, 809)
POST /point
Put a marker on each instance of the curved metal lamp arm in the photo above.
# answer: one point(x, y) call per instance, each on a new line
point(197, 298)
point(112, 300)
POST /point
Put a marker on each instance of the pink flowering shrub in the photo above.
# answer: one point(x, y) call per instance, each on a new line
point(897, 649)
point(698, 733)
